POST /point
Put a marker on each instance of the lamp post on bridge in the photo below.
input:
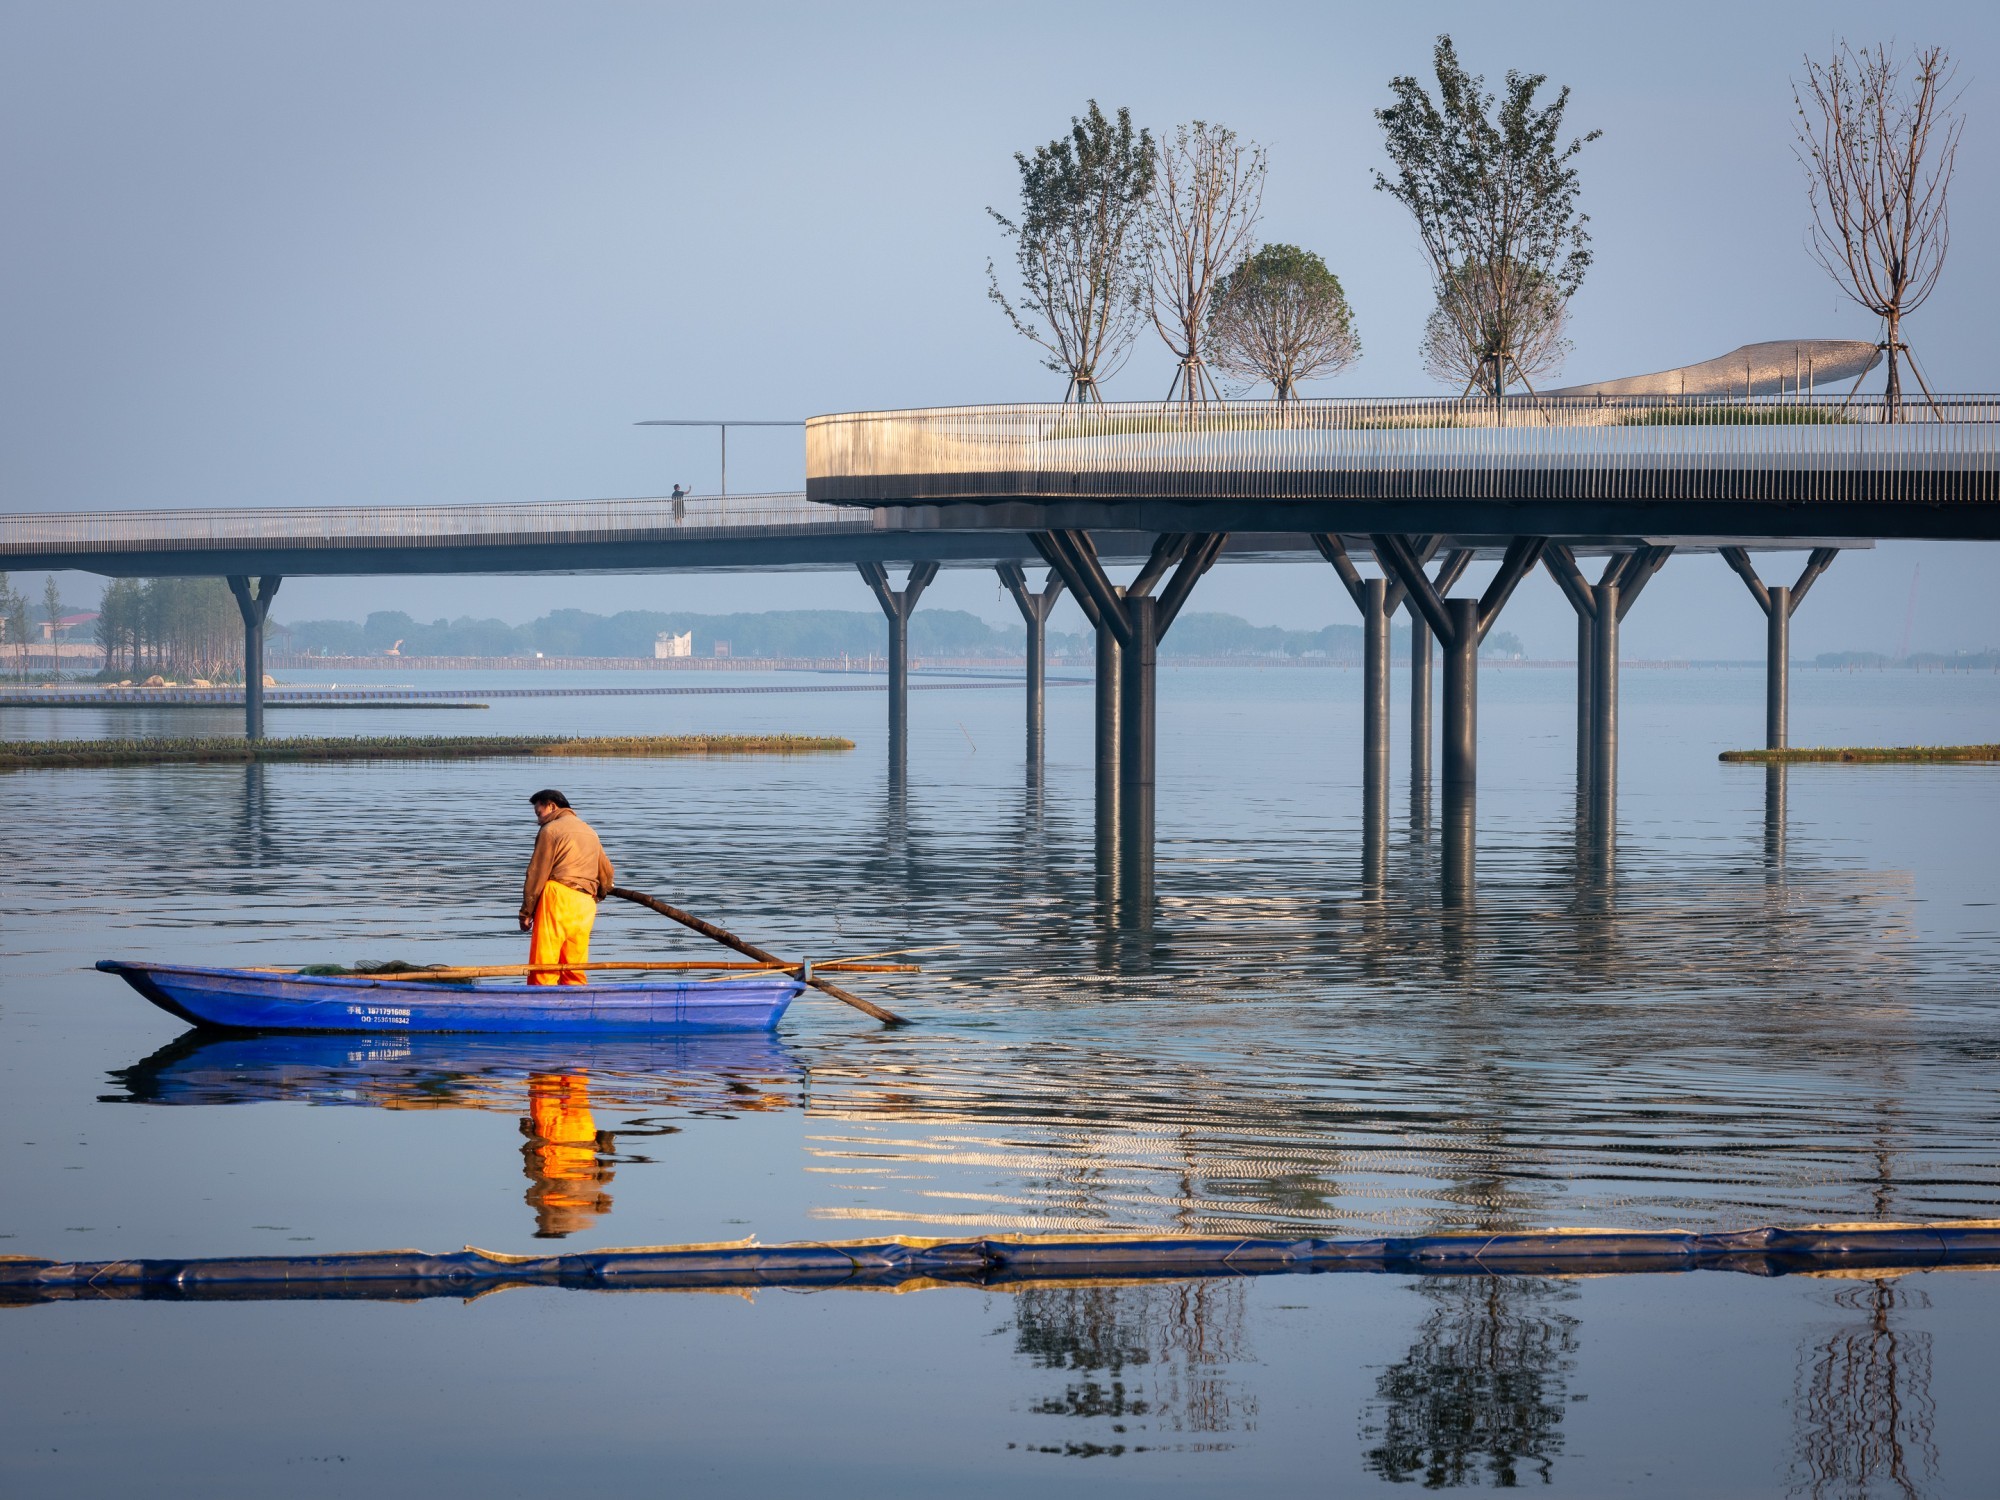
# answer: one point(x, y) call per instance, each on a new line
point(724, 426)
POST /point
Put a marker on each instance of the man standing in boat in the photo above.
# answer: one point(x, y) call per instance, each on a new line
point(567, 876)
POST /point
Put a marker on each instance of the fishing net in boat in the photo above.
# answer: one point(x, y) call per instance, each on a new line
point(370, 966)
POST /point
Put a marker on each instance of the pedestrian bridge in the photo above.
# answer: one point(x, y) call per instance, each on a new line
point(1576, 466)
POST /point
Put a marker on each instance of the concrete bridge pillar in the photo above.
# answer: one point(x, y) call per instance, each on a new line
point(1779, 605)
point(1778, 668)
point(1375, 618)
point(1130, 624)
point(1035, 608)
point(1420, 722)
point(1378, 599)
point(898, 605)
point(1460, 626)
point(255, 608)
point(1109, 698)
point(1461, 694)
point(1600, 608)
point(1604, 704)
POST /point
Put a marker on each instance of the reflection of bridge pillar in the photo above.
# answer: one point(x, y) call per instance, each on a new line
point(1461, 695)
point(1461, 844)
point(1775, 817)
point(255, 608)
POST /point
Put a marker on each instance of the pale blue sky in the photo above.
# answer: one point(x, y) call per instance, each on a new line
point(355, 253)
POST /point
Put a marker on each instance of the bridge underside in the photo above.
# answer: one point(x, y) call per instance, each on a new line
point(1748, 521)
point(958, 536)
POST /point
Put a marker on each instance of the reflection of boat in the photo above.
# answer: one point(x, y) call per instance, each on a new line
point(246, 1000)
point(554, 1081)
point(696, 1074)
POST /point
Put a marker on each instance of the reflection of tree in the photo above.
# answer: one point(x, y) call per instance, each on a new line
point(1863, 1401)
point(1144, 1360)
point(1483, 1387)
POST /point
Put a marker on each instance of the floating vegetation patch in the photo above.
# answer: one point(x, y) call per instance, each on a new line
point(27, 755)
point(1878, 755)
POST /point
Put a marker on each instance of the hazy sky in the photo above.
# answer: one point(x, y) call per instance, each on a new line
point(287, 254)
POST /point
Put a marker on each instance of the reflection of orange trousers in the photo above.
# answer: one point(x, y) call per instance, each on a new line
point(565, 1173)
point(561, 934)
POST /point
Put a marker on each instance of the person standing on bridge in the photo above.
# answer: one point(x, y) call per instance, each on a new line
point(567, 876)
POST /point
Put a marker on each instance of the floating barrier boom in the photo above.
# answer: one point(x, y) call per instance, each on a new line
point(405, 1274)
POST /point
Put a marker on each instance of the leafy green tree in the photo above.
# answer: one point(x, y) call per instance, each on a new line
point(1078, 248)
point(1282, 317)
point(17, 627)
point(1494, 198)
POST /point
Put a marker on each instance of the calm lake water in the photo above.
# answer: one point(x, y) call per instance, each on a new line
point(1784, 1006)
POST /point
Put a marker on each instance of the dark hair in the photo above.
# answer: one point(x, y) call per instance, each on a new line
point(547, 795)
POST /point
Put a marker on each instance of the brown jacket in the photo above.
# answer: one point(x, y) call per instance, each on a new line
point(567, 852)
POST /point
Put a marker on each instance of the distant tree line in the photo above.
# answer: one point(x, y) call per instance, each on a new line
point(575, 632)
point(18, 629)
point(791, 633)
point(176, 627)
point(14, 625)
point(1920, 661)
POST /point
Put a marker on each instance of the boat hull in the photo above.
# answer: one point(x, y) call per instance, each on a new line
point(244, 1000)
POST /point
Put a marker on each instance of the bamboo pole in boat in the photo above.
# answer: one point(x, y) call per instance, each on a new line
point(496, 971)
point(750, 950)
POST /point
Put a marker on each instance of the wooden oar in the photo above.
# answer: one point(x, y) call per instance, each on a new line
point(855, 958)
point(750, 950)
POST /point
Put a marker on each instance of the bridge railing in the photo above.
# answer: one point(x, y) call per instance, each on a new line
point(1584, 447)
point(420, 525)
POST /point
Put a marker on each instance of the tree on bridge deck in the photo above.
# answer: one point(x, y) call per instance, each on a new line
point(1477, 330)
point(1201, 222)
point(1878, 139)
point(1282, 317)
point(1493, 192)
point(1077, 246)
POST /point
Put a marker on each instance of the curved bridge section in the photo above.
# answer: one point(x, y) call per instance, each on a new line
point(1696, 466)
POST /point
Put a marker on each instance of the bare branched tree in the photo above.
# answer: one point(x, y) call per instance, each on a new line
point(1494, 199)
point(1208, 191)
point(1467, 341)
point(1281, 317)
point(1077, 246)
point(1878, 138)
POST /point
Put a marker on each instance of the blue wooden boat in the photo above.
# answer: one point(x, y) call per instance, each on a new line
point(248, 1000)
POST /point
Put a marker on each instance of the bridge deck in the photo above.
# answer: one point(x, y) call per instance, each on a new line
point(1568, 467)
point(961, 486)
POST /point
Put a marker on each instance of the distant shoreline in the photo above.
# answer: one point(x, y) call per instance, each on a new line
point(32, 755)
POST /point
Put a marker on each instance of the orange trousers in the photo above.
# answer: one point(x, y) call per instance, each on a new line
point(561, 933)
